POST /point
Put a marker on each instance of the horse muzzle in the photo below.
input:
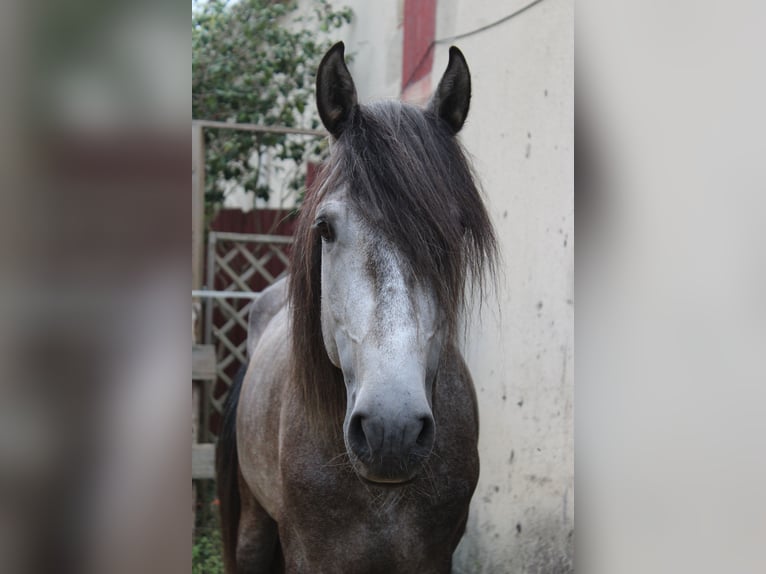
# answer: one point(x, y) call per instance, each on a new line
point(390, 450)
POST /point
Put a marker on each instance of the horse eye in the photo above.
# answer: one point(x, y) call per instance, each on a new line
point(325, 230)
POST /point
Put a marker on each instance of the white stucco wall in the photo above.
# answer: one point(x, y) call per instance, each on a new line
point(520, 132)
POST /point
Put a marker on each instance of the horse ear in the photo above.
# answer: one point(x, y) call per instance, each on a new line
point(451, 100)
point(336, 94)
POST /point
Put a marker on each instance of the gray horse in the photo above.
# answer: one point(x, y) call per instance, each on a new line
point(350, 445)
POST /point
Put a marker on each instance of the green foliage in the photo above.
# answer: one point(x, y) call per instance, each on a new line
point(253, 61)
point(207, 554)
point(207, 548)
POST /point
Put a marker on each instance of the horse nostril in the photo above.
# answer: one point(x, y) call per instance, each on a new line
point(426, 435)
point(357, 438)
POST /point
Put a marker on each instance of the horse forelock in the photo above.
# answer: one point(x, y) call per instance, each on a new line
point(318, 381)
point(409, 180)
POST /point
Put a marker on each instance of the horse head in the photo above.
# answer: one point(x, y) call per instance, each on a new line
point(389, 234)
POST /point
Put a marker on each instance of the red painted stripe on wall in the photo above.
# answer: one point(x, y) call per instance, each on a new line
point(419, 34)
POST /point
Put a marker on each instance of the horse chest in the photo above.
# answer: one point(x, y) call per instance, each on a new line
point(356, 528)
point(332, 519)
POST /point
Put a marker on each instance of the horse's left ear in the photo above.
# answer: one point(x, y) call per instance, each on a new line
point(453, 96)
point(336, 93)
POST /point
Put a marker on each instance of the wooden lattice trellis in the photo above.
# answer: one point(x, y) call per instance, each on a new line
point(236, 262)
